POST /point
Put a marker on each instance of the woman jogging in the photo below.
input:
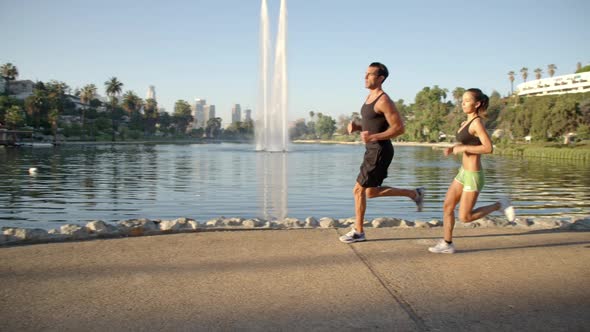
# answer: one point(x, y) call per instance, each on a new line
point(473, 141)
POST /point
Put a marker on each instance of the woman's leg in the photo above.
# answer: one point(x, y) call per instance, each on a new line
point(466, 211)
point(451, 199)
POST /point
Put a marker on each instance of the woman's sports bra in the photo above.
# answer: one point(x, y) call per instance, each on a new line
point(465, 138)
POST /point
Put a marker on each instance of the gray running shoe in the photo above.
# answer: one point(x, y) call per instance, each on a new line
point(442, 247)
point(419, 200)
point(353, 236)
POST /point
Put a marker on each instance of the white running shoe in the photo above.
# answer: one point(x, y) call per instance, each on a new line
point(353, 236)
point(507, 208)
point(420, 192)
point(442, 247)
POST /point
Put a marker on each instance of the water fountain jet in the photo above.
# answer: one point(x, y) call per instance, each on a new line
point(271, 127)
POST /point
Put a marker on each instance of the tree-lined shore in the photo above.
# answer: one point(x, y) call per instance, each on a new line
point(56, 110)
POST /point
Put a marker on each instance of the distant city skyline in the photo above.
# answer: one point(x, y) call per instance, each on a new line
point(330, 43)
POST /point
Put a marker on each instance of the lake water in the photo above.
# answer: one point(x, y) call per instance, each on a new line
point(75, 184)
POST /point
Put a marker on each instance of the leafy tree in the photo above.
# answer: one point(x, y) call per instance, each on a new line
point(583, 131)
point(299, 130)
point(563, 116)
point(583, 69)
point(248, 127)
point(404, 110)
point(585, 111)
point(545, 117)
point(458, 97)
point(431, 112)
point(213, 127)
point(14, 117)
point(6, 103)
point(182, 115)
point(494, 108)
point(197, 132)
point(164, 122)
point(325, 126)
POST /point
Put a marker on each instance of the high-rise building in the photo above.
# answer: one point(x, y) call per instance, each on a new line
point(247, 115)
point(236, 113)
point(151, 93)
point(209, 111)
point(199, 113)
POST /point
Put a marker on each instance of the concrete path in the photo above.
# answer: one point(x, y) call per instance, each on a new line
point(499, 280)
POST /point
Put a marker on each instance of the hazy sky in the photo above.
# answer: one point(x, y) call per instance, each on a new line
point(210, 49)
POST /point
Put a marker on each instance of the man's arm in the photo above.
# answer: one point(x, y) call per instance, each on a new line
point(394, 119)
point(353, 126)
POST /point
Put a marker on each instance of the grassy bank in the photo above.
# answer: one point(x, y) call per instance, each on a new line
point(579, 151)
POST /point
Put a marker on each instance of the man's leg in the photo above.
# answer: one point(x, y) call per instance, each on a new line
point(357, 234)
point(390, 191)
point(360, 206)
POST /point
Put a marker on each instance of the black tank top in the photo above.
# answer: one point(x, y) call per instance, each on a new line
point(372, 121)
point(465, 138)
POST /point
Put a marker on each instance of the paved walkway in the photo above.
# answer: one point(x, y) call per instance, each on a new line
point(499, 280)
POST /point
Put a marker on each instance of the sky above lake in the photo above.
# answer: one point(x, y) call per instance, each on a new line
point(210, 49)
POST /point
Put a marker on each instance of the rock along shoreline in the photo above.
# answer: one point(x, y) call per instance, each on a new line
point(99, 229)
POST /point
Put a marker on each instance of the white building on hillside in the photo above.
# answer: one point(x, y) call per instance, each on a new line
point(571, 83)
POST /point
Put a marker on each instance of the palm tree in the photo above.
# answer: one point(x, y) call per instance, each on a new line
point(87, 94)
point(36, 104)
point(311, 115)
point(53, 117)
point(551, 69)
point(525, 73)
point(538, 72)
point(9, 72)
point(113, 89)
point(150, 111)
point(56, 93)
point(131, 102)
point(511, 78)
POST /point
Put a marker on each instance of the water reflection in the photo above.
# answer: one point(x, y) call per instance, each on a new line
point(75, 184)
point(272, 184)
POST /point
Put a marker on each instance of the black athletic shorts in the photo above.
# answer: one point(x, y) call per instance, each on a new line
point(378, 156)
